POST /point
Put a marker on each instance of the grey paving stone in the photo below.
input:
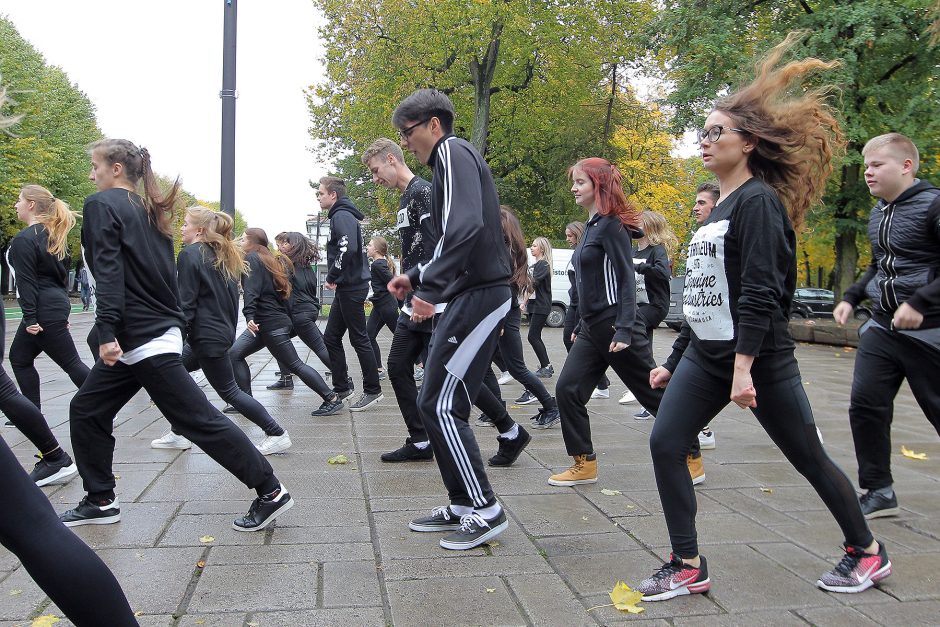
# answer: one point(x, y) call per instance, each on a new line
point(19, 595)
point(187, 531)
point(914, 577)
point(348, 584)
point(460, 566)
point(153, 579)
point(140, 526)
point(262, 587)
point(612, 542)
point(459, 601)
point(920, 613)
point(547, 601)
point(290, 553)
point(556, 514)
point(746, 619)
point(835, 617)
point(712, 528)
point(325, 617)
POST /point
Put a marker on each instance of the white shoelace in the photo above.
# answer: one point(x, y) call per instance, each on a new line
point(444, 510)
point(468, 520)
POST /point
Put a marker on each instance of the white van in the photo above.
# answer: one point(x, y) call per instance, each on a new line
point(561, 257)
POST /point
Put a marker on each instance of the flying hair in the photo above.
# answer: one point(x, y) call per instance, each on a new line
point(53, 214)
point(217, 234)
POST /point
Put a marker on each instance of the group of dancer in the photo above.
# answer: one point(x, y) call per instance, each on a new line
point(771, 153)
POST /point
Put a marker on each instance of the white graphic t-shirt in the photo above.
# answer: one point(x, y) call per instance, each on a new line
point(641, 295)
point(706, 300)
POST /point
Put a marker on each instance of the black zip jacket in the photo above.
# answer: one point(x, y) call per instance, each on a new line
point(303, 295)
point(573, 287)
point(134, 270)
point(471, 253)
point(541, 301)
point(263, 303)
point(345, 251)
point(381, 275)
point(905, 256)
point(40, 278)
point(208, 298)
point(656, 276)
point(603, 267)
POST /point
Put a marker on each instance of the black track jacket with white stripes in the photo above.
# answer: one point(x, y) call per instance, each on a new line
point(471, 253)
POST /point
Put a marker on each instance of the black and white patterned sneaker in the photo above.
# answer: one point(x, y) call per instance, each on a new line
point(475, 530)
point(46, 472)
point(329, 407)
point(526, 398)
point(87, 513)
point(263, 511)
point(441, 519)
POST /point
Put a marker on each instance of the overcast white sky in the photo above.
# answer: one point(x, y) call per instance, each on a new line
point(153, 69)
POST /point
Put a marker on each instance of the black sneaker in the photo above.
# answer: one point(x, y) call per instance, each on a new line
point(875, 505)
point(46, 472)
point(329, 407)
point(263, 511)
point(643, 414)
point(509, 450)
point(409, 453)
point(485, 421)
point(547, 418)
point(87, 513)
point(228, 409)
point(381, 375)
point(284, 383)
point(366, 401)
point(545, 373)
point(441, 519)
point(475, 530)
point(526, 398)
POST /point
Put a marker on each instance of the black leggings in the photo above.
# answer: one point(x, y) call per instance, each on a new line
point(54, 340)
point(693, 398)
point(278, 343)
point(304, 322)
point(221, 376)
point(25, 416)
point(509, 346)
point(61, 564)
point(384, 314)
point(536, 323)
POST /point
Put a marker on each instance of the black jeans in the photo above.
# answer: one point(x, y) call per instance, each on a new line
point(408, 344)
point(384, 314)
point(217, 366)
point(693, 398)
point(278, 343)
point(304, 323)
point(589, 358)
point(509, 346)
point(536, 324)
point(884, 359)
point(347, 314)
point(108, 388)
point(54, 340)
point(61, 564)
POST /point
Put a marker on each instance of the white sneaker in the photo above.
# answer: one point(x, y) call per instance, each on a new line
point(171, 440)
point(627, 398)
point(706, 439)
point(504, 378)
point(272, 444)
point(600, 393)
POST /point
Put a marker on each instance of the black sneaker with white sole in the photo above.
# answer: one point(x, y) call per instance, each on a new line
point(546, 418)
point(329, 407)
point(475, 530)
point(46, 472)
point(366, 401)
point(510, 450)
point(88, 513)
point(875, 505)
point(441, 519)
point(409, 453)
point(485, 421)
point(263, 511)
point(526, 398)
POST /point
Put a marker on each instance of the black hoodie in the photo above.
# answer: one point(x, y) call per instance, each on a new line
point(209, 299)
point(40, 277)
point(345, 251)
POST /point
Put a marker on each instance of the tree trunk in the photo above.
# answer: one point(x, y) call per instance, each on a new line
point(483, 72)
point(847, 227)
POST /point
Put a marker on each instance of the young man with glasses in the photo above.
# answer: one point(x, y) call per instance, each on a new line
point(475, 288)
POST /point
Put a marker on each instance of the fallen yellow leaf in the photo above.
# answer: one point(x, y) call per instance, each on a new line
point(584, 518)
point(13, 593)
point(493, 544)
point(607, 492)
point(906, 452)
point(206, 539)
point(339, 459)
point(46, 621)
point(201, 564)
point(626, 599)
point(767, 490)
point(139, 613)
point(491, 589)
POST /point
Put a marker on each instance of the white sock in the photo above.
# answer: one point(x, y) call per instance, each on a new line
point(489, 512)
point(461, 510)
point(512, 433)
point(422, 445)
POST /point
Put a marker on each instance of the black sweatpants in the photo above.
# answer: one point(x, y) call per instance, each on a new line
point(347, 314)
point(408, 343)
point(460, 353)
point(304, 326)
point(384, 314)
point(571, 322)
point(590, 356)
point(54, 340)
point(509, 345)
point(536, 324)
point(217, 366)
point(61, 564)
point(489, 400)
point(279, 344)
point(884, 359)
point(108, 388)
point(693, 398)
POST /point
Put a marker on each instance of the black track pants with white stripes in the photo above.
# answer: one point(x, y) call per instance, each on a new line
point(460, 352)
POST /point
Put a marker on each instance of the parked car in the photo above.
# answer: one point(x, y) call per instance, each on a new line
point(560, 301)
point(814, 302)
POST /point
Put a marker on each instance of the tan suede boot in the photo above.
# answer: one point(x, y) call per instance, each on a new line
point(696, 469)
point(583, 471)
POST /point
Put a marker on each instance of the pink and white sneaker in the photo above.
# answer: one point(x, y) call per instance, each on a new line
point(857, 571)
point(675, 578)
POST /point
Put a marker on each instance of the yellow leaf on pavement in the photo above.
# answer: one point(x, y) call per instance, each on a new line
point(206, 539)
point(906, 452)
point(339, 459)
point(13, 593)
point(607, 492)
point(626, 599)
point(491, 589)
point(767, 490)
point(46, 621)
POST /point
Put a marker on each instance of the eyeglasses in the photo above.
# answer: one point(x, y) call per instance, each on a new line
point(406, 132)
point(714, 133)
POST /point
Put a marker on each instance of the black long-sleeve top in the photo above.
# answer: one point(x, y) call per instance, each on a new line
point(41, 279)
point(263, 303)
point(381, 275)
point(303, 295)
point(656, 277)
point(209, 299)
point(603, 267)
point(345, 252)
point(134, 270)
point(471, 253)
point(541, 301)
point(572, 287)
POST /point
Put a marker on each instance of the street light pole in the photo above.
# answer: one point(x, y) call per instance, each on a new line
point(228, 96)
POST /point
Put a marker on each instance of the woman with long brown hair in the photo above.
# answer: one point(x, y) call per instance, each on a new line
point(771, 148)
point(267, 289)
point(384, 305)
